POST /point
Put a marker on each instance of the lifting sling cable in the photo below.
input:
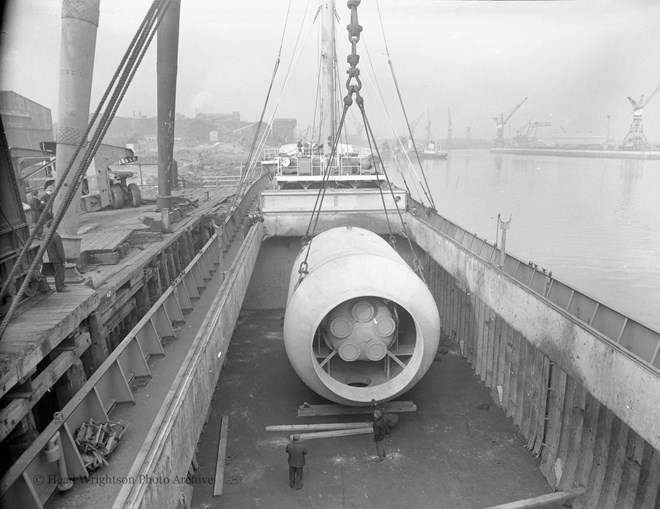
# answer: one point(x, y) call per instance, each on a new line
point(372, 142)
point(249, 163)
point(60, 181)
point(427, 190)
point(132, 59)
point(416, 263)
point(379, 94)
point(316, 211)
point(353, 72)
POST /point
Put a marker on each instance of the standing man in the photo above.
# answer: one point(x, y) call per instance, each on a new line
point(296, 452)
point(57, 257)
point(379, 434)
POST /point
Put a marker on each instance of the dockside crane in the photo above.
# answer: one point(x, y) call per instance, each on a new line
point(635, 139)
point(527, 134)
point(501, 122)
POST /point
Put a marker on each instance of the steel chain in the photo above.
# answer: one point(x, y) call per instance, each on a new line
point(354, 30)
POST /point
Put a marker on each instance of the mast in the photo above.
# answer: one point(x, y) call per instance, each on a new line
point(166, 71)
point(327, 74)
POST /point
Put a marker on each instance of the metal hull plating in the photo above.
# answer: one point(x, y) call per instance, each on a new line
point(360, 326)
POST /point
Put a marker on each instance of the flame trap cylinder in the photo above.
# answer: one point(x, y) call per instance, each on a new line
point(360, 325)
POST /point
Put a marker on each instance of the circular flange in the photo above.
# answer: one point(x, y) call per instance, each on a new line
point(386, 326)
point(349, 351)
point(363, 311)
point(341, 327)
point(375, 350)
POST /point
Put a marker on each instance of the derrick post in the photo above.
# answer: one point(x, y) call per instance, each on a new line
point(327, 76)
point(166, 71)
point(80, 19)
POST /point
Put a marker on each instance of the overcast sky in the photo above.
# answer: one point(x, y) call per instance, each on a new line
point(576, 61)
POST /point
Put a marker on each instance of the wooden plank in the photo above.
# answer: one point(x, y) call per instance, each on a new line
point(490, 343)
point(513, 379)
point(542, 500)
point(335, 433)
point(650, 500)
point(526, 402)
point(631, 471)
point(507, 341)
point(306, 410)
point(574, 453)
point(588, 443)
point(310, 427)
point(543, 416)
point(497, 326)
point(566, 427)
point(222, 456)
point(615, 465)
point(501, 328)
point(539, 400)
point(597, 475)
point(11, 415)
point(469, 343)
point(553, 431)
point(479, 340)
point(104, 240)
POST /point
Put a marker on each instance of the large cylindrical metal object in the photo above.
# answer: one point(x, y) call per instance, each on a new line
point(360, 325)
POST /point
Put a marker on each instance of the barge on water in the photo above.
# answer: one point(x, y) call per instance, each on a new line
point(612, 154)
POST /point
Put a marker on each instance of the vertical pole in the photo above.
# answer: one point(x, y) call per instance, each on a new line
point(504, 226)
point(166, 70)
point(80, 19)
point(327, 75)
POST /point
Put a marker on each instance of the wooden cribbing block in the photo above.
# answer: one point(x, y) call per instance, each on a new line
point(307, 410)
point(310, 427)
point(222, 453)
point(335, 433)
point(542, 500)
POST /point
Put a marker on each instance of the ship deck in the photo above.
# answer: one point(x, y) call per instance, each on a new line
point(42, 322)
point(458, 450)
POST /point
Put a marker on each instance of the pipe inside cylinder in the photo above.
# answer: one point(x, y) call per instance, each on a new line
point(365, 341)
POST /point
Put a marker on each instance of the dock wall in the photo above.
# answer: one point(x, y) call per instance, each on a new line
point(584, 404)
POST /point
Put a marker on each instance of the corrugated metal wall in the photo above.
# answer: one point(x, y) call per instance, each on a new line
point(578, 441)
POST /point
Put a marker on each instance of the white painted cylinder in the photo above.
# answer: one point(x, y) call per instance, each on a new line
point(360, 325)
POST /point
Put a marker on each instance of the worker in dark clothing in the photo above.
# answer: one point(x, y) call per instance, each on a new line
point(390, 420)
point(57, 257)
point(296, 452)
point(379, 434)
point(35, 204)
point(44, 202)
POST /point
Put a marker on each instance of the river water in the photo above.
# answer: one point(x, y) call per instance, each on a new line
point(595, 223)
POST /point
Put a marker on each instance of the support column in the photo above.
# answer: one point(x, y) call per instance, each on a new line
point(166, 70)
point(98, 351)
point(80, 19)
